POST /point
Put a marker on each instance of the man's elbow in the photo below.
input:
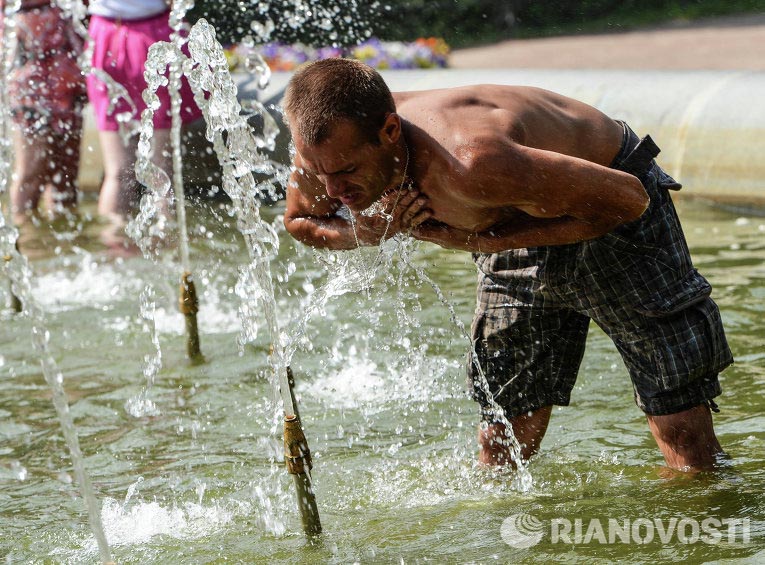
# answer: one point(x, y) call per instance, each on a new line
point(636, 203)
point(631, 207)
point(290, 225)
point(302, 229)
point(632, 204)
point(296, 227)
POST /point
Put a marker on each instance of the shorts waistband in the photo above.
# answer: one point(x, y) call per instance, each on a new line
point(636, 155)
point(119, 21)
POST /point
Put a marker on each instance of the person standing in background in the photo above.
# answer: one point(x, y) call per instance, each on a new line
point(122, 33)
point(46, 94)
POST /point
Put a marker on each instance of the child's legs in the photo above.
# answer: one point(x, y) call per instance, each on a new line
point(120, 190)
point(61, 195)
point(30, 174)
point(46, 163)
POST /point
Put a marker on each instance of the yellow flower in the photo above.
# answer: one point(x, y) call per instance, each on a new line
point(231, 58)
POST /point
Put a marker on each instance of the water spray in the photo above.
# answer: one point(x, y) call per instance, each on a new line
point(17, 268)
point(238, 151)
point(188, 302)
point(148, 227)
point(19, 272)
point(7, 48)
point(14, 302)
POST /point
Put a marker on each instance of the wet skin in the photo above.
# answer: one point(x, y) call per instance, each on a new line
point(493, 168)
point(500, 168)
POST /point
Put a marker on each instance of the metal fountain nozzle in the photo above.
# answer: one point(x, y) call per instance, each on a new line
point(297, 457)
point(188, 304)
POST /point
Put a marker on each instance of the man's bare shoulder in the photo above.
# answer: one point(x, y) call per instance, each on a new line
point(483, 110)
point(510, 98)
point(483, 114)
point(469, 95)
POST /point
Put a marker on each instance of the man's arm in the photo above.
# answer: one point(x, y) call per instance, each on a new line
point(563, 199)
point(311, 216)
point(524, 231)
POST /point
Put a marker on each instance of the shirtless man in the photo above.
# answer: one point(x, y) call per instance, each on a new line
point(567, 215)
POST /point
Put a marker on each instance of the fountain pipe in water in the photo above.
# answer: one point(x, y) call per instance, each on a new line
point(189, 304)
point(14, 301)
point(297, 457)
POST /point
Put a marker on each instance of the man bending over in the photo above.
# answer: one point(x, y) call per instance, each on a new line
point(568, 218)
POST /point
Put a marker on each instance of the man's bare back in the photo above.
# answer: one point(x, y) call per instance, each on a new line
point(444, 127)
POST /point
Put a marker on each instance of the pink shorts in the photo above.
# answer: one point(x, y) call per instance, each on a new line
point(121, 49)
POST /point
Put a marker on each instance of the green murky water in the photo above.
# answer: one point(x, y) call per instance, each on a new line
point(381, 391)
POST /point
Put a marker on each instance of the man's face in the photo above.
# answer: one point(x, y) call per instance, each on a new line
point(351, 168)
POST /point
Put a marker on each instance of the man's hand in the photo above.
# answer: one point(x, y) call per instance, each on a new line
point(446, 236)
point(396, 212)
point(523, 231)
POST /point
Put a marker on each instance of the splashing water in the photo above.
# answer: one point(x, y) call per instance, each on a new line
point(17, 269)
point(355, 274)
point(177, 13)
point(522, 479)
point(238, 152)
point(345, 276)
point(141, 406)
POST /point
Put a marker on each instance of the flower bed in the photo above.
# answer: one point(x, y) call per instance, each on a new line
point(424, 53)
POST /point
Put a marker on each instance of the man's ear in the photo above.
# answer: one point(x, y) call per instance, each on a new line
point(391, 129)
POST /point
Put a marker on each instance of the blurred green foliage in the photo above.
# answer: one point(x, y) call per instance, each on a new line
point(459, 22)
point(314, 22)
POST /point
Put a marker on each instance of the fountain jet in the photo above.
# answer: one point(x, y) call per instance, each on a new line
point(189, 304)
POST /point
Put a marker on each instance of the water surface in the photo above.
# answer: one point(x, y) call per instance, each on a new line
point(381, 387)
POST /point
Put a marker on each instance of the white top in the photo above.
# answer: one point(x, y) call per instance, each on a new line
point(127, 9)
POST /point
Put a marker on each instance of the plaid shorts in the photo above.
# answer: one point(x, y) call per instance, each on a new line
point(636, 282)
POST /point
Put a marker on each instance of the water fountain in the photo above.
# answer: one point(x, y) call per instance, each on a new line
point(188, 302)
point(239, 155)
point(237, 151)
point(167, 58)
point(16, 270)
point(396, 477)
point(9, 45)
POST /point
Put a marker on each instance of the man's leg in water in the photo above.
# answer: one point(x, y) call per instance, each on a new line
point(527, 347)
point(687, 439)
point(529, 429)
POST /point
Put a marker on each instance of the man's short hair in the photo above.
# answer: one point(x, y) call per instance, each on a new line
point(323, 92)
